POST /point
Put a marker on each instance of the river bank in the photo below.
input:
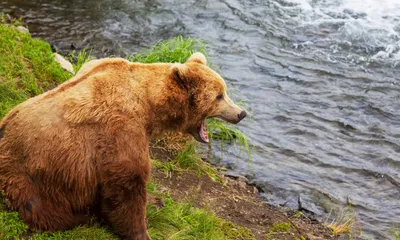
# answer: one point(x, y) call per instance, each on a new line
point(192, 200)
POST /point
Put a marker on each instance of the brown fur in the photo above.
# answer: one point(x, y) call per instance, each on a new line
point(85, 143)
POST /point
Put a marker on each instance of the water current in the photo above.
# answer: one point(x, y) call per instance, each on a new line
point(320, 77)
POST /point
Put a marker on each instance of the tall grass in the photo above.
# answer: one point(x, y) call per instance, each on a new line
point(187, 159)
point(174, 50)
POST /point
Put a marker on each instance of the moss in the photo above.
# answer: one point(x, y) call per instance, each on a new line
point(11, 225)
point(281, 227)
point(27, 68)
point(232, 231)
point(88, 233)
point(300, 238)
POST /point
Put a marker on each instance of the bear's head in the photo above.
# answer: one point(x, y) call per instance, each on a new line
point(206, 96)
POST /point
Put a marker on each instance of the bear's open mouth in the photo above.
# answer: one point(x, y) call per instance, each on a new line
point(201, 134)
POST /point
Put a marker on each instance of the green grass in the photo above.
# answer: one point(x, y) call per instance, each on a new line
point(187, 159)
point(95, 232)
point(78, 59)
point(11, 225)
point(180, 220)
point(228, 134)
point(27, 68)
point(396, 233)
point(174, 50)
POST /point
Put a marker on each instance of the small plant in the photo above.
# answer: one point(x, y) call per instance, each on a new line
point(7, 19)
point(175, 50)
point(344, 223)
point(79, 59)
point(187, 159)
point(396, 233)
point(280, 228)
point(167, 167)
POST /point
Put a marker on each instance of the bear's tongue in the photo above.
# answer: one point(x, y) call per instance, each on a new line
point(203, 133)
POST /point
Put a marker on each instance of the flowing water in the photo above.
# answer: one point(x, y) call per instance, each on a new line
point(321, 78)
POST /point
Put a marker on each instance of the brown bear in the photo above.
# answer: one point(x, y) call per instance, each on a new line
point(85, 143)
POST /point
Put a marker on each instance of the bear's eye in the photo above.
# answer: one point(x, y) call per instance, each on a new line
point(220, 96)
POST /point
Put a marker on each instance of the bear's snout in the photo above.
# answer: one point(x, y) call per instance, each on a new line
point(242, 115)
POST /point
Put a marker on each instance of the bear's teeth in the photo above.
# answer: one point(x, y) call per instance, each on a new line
point(203, 133)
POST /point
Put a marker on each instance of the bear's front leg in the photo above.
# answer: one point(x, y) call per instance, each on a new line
point(124, 199)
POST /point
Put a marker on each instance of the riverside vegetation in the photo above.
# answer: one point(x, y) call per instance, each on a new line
point(27, 68)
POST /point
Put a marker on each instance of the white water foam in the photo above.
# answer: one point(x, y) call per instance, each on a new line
point(371, 27)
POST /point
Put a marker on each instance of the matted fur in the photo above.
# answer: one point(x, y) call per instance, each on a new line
point(83, 147)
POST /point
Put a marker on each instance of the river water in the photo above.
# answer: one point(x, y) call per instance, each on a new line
point(321, 79)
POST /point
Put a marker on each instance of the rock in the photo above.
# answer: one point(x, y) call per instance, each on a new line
point(22, 29)
point(64, 63)
point(255, 190)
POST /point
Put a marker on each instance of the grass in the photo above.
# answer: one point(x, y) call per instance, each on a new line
point(78, 59)
point(187, 159)
point(182, 221)
point(27, 68)
point(228, 134)
point(344, 223)
point(174, 50)
point(396, 233)
point(11, 225)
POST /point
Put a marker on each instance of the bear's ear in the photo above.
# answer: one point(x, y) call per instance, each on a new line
point(178, 72)
point(197, 57)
